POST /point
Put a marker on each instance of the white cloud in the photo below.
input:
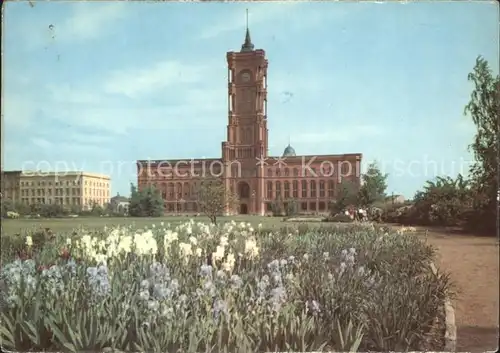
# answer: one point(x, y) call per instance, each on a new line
point(103, 104)
point(75, 143)
point(120, 120)
point(138, 81)
point(79, 108)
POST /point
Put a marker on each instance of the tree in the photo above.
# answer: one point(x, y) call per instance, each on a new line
point(146, 202)
point(96, 210)
point(347, 195)
point(278, 206)
point(8, 206)
point(444, 201)
point(135, 206)
point(214, 199)
point(374, 186)
point(484, 109)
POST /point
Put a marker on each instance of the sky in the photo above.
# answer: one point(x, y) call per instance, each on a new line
point(96, 86)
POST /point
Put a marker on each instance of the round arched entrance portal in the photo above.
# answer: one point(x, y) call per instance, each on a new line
point(243, 190)
point(243, 196)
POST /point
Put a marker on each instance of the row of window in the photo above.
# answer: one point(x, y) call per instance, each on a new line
point(60, 201)
point(67, 183)
point(323, 171)
point(60, 192)
point(236, 171)
point(180, 172)
point(307, 189)
point(312, 206)
point(295, 189)
point(246, 152)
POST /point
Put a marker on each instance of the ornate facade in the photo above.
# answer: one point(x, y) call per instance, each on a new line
point(76, 188)
point(245, 167)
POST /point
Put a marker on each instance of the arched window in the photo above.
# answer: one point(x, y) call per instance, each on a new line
point(179, 190)
point(170, 191)
point(269, 190)
point(331, 188)
point(313, 188)
point(321, 188)
point(287, 189)
point(304, 188)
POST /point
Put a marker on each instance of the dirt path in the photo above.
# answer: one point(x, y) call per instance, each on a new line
point(473, 264)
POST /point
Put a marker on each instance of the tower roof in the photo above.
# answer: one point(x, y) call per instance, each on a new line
point(289, 151)
point(247, 45)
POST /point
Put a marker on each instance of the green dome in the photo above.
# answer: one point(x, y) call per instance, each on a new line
point(289, 152)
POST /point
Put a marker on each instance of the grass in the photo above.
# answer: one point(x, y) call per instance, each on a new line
point(21, 226)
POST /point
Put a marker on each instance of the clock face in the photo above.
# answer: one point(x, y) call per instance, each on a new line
point(245, 77)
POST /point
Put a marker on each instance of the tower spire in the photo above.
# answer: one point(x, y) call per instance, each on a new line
point(247, 45)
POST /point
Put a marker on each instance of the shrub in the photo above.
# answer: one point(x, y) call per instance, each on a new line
point(277, 207)
point(199, 287)
point(291, 208)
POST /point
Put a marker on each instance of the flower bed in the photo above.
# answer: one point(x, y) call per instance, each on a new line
point(198, 287)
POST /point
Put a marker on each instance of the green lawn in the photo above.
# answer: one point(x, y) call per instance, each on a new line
point(14, 226)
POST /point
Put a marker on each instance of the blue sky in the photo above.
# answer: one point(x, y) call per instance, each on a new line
point(95, 86)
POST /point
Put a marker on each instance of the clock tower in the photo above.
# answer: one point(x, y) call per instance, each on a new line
point(246, 143)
